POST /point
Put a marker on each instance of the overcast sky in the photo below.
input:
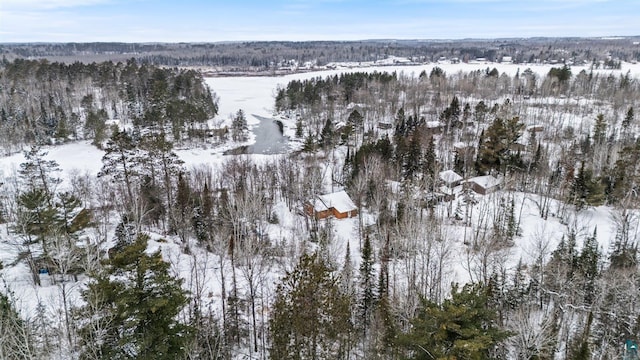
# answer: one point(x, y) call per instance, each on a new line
point(233, 20)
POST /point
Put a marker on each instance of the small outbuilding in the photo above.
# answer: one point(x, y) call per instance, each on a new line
point(450, 178)
point(484, 185)
point(337, 204)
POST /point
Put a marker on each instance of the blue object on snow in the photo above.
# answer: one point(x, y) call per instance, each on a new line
point(630, 350)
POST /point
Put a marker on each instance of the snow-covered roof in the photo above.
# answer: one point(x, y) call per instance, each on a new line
point(449, 176)
point(433, 124)
point(486, 181)
point(338, 200)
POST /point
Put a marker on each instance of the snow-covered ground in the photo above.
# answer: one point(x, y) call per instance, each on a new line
point(255, 95)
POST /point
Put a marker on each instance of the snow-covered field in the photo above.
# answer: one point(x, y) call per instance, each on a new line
point(255, 95)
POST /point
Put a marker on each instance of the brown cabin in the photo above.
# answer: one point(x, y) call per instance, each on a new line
point(338, 205)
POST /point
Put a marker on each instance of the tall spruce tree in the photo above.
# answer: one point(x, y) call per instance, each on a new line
point(311, 317)
point(132, 307)
point(366, 294)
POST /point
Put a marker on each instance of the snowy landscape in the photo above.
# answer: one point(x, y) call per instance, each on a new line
point(397, 238)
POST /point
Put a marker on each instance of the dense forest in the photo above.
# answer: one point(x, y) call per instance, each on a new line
point(43, 102)
point(152, 258)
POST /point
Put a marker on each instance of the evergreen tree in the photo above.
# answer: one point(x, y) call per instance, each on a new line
point(585, 190)
point(581, 349)
point(183, 207)
point(310, 317)
point(71, 217)
point(436, 73)
point(40, 174)
point(588, 264)
point(131, 308)
point(346, 275)
point(366, 293)
point(480, 111)
point(239, 126)
point(451, 114)
point(125, 233)
point(563, 74)
point(326, 135)
point(600, 130)
point(160, 165)
point(413, 157)
point(95, 126)
point(299, 129)
point(36, 216)
point(355, 119)
point(120, 162)
point(430, 164)
point(401, 125)
point(152, 205)
point(563, 264)
point(462, 327)
point(626, 173)
point(385, 319)
point(628, 119)
point(495, 145)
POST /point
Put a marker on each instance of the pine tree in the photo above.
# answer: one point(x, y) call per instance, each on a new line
point(585, 190)
point(310, 317)
point(326, 135)
point(183, 207)
point(38, 173)
point(239, 126)
point(462, 327)
point(120, 162)
point(366, 296)
point(131, 308)
point(355, 119)
point(36, 216)
point(299, 129)
point(413, 158)
point(401, 125)
point(600, 130)
point(387, 329)
point(512, 225)
point(161, 164)
point(430, 164)
point(480, 111)
point(588, 264)
point(628, 119)
point(563, 74)
point(346, 274)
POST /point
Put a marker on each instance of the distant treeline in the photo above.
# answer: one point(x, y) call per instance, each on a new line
point(272, 55)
